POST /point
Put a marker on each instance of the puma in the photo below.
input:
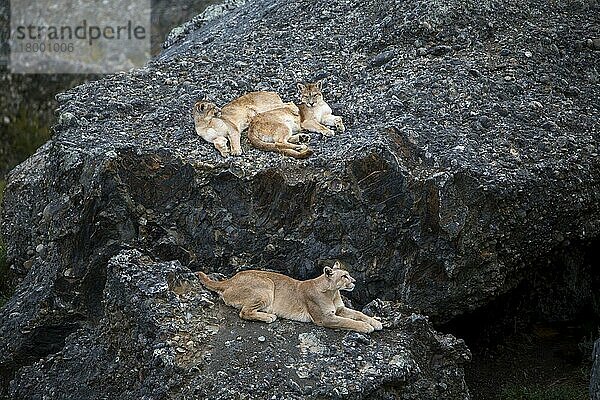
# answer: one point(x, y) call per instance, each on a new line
point(277, 130)
point(212, 128)
point(315, 113)
point(264, 296)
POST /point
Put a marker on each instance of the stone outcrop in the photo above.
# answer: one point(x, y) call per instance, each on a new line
point(164, 336)
point(470, 156)
point(595, 378)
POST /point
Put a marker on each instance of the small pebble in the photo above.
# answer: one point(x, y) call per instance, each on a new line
point(550, 125)
point(440, 50)
point(261, 338)
point(383, 58)
point(536, 104)
point(485, 121)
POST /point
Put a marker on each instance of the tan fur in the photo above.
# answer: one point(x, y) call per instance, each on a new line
point(315, 113)
point(210, 127)
point(264, 296)
point(230, 121)
point(276, 130)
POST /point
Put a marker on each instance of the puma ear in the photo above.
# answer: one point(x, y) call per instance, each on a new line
point(337, 265)
point(320, 83)
point(300, 86)
point(328, 271)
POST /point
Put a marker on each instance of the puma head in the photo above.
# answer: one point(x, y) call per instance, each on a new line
point(310, 93)
point(206, 110)
point(338, 278)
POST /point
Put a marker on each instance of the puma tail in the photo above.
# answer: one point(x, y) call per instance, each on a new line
point(215, 286)
point(262, 145)
point(296, 154)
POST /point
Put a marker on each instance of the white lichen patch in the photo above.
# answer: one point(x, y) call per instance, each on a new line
point(310, 343)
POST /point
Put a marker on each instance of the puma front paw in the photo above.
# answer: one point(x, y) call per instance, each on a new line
point(328, 132)
point(339, 125)
point(363, 327)
point(237, 152)
point(272, 317)
point(224, 153)
point(301, 147)
point(220, 144)
point(375, 324)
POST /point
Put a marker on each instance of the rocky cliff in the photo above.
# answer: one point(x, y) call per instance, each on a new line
point(470, 157)
point(163, 336)
point(595, 377)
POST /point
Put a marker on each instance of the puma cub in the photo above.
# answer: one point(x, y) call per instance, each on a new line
point(212, 128)
point(277, 130)
point(315, 114)
point(217, 125)
point(264, 296)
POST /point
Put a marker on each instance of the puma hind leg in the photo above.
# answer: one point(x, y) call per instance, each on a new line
point(252, 314)
point(299, 138)
point(252, 299)
point(284, 139)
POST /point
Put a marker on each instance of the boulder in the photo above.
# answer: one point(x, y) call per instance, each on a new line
point(465, 164)
point(595, 378)
point(164, 336)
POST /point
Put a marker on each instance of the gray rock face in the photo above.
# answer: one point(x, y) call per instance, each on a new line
point(164, 336)
point(213, 11)
point(27, 101)
point(464, 163)
point(595, 379)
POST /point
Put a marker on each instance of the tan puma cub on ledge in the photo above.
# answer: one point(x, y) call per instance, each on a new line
point(276, 130)
point(212, 128)
point(264, 296)
point(219, 125)
point(315, 114)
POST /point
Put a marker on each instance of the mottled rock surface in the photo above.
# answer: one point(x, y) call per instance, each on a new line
point(470, 156)
point(164, 336)
point(595, 378)
point(27, 101)
point(213, 11)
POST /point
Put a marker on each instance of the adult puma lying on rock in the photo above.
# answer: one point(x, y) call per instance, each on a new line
point(264, 296)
